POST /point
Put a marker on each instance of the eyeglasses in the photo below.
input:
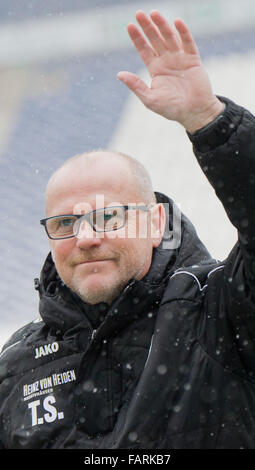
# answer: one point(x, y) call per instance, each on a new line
point(101, 220)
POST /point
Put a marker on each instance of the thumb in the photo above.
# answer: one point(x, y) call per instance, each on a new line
point(135, 84)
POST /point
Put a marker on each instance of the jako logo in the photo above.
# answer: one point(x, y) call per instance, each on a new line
point(46, 349)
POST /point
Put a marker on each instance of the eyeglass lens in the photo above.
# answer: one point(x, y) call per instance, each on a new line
point(110, 218)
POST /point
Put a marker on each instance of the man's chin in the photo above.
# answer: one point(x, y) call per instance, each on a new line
point(94, 298)
point(94, 294)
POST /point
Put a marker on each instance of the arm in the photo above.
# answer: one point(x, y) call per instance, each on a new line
point(225, 151)
point(223, 137)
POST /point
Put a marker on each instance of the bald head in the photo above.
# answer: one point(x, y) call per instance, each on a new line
point(99, 162)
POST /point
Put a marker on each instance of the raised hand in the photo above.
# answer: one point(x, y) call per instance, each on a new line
point(180, 88)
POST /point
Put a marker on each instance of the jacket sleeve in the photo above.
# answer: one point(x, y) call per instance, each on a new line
point(225, 150)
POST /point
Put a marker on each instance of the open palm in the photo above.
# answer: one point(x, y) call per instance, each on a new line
point(180, 88)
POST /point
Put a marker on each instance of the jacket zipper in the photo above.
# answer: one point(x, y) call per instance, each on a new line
point(93, 334)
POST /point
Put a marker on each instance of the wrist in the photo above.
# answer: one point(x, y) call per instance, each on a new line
point(205, 117)
point(218, 131)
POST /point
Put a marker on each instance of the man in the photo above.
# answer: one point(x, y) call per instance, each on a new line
point(141, 345)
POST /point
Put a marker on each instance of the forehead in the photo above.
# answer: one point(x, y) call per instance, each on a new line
point(89, 180)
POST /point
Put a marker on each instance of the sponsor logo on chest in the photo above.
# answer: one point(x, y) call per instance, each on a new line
point(46, 349)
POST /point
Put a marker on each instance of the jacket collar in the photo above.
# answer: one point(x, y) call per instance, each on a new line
point(63, 310)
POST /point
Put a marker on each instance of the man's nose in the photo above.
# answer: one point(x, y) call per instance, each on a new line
point(87, 237)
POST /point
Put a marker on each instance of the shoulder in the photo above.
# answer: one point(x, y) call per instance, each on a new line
point(16, 346)
point(192, 281)
point(22, 333)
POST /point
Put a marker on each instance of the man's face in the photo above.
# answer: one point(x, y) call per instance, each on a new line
point(98, 266)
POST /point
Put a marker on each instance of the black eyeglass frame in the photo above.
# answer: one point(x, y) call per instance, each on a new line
point(87, 217)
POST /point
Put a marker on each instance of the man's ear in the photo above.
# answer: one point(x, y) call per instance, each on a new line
point(158, 224)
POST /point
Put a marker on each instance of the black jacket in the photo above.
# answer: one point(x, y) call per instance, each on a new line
point(172, 363)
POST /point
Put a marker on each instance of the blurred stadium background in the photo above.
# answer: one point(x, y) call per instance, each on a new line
point(59, 96)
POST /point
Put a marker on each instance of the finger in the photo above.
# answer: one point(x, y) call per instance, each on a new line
point(144, 50)
point(135, 84)
point(151, 32)
point(172, 41)
point(188, 42)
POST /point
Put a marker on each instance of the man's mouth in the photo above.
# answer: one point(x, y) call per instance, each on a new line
point(94, 261)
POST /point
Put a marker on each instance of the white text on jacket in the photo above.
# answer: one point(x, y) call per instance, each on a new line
point(46, 349)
